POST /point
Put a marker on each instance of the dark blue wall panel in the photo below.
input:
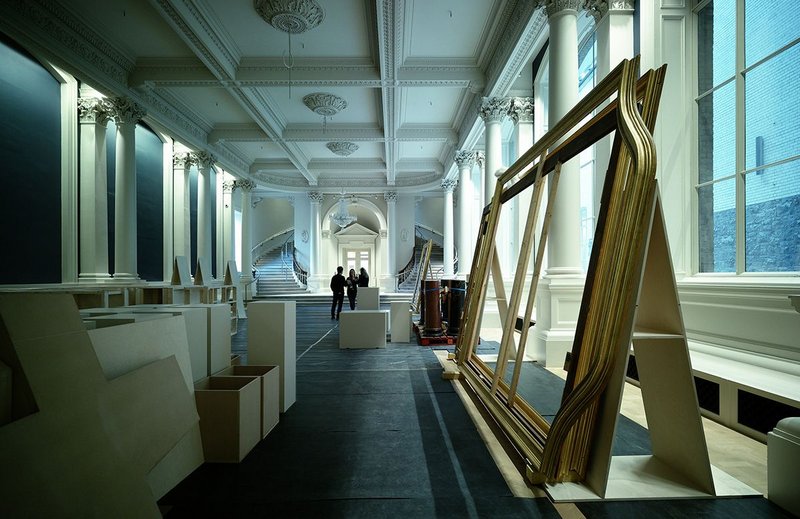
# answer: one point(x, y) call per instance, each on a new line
point(149, 204)
point(30, 154)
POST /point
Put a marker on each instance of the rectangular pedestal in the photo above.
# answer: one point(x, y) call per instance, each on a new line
point(271, 329)
point(218, 327)
point(401, 321)
point(363, 329)
point(368, 298)
point(270, 391)
point(230, 416)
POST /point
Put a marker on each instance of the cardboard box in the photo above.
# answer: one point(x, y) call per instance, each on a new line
point(230, 416)
point(270, 391)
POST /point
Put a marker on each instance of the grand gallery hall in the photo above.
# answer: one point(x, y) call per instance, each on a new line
point(568, 235)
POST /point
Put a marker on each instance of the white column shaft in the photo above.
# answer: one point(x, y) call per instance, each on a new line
point(125, 259)
point(391, 242)
point(181, 226)
point(204, 212)
point(466, 245)
point(246, 246)
point(448, 233)
point(524, 137)
point(314, 240)
point(93, 202)
point(494, 159)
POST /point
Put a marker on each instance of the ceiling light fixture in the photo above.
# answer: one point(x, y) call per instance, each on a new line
point(342, 148)
point(342, 216)
point(324, 104)
point(291, 17)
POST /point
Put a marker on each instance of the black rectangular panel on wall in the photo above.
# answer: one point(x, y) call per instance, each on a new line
point(707, 394)
point(193, 177)
point(149, 204)
point(111, 168)
point(760, 413)
point(30, 154)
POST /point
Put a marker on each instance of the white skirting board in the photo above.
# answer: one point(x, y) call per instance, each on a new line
point(645, 477)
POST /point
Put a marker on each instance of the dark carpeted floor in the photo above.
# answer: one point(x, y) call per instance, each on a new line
point(378, 433)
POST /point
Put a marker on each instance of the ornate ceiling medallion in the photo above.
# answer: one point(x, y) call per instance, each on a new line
point(324, 104)
point(292, 16)
point(341, 148)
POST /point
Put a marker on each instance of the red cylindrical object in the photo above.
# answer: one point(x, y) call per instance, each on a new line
point(433, 315)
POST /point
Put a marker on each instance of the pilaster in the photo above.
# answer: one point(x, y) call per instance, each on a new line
point(204, 205)
point(448, 186)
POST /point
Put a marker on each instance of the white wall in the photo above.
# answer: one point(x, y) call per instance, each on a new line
point(271, 216)
point(405, 227)
point(430, 213)
point(302, 222)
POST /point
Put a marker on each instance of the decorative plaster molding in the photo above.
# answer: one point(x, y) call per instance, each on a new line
point(599, 8)
point(390, 197)
point(326, 234)
point(183, 160)
point(255, 201)
point(292, 16)
point(465, 159)
point(480, 158)
point(342, 148)
point(324, 103)
point(554, 7)
point(384, 233)
point(493, 109)
point(316, 197)
point(304, 236)
point(521, 110)
point(228, 186)
point(290, 199)
point(93, 110)
point(281, 181)
point(203, 159)
point(404, 234)
point(449, 185)
point(126, 111)
point(245, 185)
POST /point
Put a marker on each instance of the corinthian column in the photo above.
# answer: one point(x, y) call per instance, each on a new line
point(391, 240)
point(521, 113)
point(126, 114)
point(315, 225)
point(228, 227)
point(492, 111)
point(448, 186)
point(205, 206)
point(181, 211)
point(465, 160)
point(93, 114)
point(246, 248)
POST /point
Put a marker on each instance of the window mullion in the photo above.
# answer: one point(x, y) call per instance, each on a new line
point(740, 139)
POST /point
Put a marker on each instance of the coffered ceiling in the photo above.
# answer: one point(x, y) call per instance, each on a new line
point(411, 73)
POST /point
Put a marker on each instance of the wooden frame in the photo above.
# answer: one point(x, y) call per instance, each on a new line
point(568, 450)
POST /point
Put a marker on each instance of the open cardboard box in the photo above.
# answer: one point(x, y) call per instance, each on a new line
point(270, 391)
point(230, 416)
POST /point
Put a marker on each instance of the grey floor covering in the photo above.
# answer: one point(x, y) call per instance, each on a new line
point(378, 433)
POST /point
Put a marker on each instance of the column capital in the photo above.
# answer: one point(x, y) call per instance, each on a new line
point(245, 184)
point(93, 110)
point(290, 199)
point(599, 8)
point(203, 159)
point(228, 186)
point(390, 197)
point(125, 111)
point(493, 109)
point(480, 158)
point(556, 6)
point(465, 159)
point(521, 110)
point(182, 160)
point(316, 197)
point(448, 185)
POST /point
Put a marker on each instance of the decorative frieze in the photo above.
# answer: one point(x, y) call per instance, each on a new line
point(126, 111)
point(316, 197)
point(465, 159)
point(93, 110)
point(494, 109)
point(521, 109)
point(448, 185)
point(390, 196)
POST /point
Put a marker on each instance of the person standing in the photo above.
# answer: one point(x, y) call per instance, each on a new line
point(338, 284)
point(352, 288)
point(363, 278)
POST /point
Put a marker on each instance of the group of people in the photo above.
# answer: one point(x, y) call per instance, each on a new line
point(350, 284)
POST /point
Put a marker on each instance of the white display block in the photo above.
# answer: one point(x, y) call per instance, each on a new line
point(271, 332)
point(369, 298)
point(401, 321)
point(783, 464)
point(363, 329)
point(218, 330)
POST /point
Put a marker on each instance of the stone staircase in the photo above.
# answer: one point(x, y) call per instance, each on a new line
point(437, 268)
point(275, 278)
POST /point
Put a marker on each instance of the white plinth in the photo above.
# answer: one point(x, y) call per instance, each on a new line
point(783, 464)
point(369, 298)
point(271, 329)
point(401, 321)
point(218, 330)
point(363, 329)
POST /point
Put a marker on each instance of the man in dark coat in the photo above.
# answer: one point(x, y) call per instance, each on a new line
point(338, 284)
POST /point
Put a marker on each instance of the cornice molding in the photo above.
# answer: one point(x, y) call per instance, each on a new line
point(245, 184)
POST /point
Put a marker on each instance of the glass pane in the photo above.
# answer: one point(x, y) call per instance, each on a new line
point(716, 49)
point(772, 109)
point(768, 27)
point(772, 219)
point(716, 133)
point(717, 226)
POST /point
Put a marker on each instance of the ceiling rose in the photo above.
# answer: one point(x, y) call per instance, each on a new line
point(342, 148)
point(292, 16)
point(324, 104)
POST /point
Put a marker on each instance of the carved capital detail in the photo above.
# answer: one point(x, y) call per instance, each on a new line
point(465, 159)
point(126, 111)
point(449, 185)
point(521, 110)
point(480, 158)
point(245, 185)
point(599, 8)
point(203, 159)
point(390, 196)
point(493, 109)
point(316, 197)
point(556, 6)
point(183, 160)
point(93, 110)
point(228, 186)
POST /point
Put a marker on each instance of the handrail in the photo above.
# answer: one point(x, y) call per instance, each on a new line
point(267, 244)
point(300, 274)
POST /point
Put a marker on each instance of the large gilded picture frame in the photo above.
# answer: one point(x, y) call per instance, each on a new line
point(559, 451)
